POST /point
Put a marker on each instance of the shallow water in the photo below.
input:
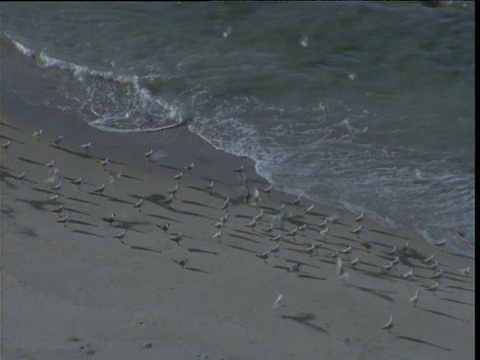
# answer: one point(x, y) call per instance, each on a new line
point(367, 105)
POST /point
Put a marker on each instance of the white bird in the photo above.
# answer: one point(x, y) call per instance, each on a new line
point(86, 146)
point(22, 176)
point(414, 298)
point(57, 186)
point(58, 140)
point(226, 203)
point(278, 237)
point(268, 189)
point(269, 228)
point(295, 268)
point(346, 250)
point(388, 266)
point(393, 251)
point(105, 162)
point(239, 169)
point(164, 227)
point(59, 209)
point(54, 197)
point(50, 164)
point(148, 154)
point(428, 259)
point(169, 200)
point(252, 223)
point(339, 266)
point(323, 223)
point(406, 247)
point(312, 249)
point(120, 235)
point(389, 325)
point(434, 265)
point(334, 219)
point(6, 144)
point(465, 271)
point(38, 133)
point(100, 189)
point(357, 230)
point(227, 32)
point(264, 255)
point(297, 200)
point(211, 185)
point(276, 248)
point(293, 232)
point(438, 274)
point(354, 261)
point(110, 219)
point(138, 204)
point(304, 41)
point(360, 217)
point(433, 288)
point(395, 260)
point(78, 181)
point(64, 219)
point(177, 238)
point(259, 216)
point(218, 235)
point(408, 274)
point(279, 303)
point(178, 176)
point(324, 232)
point(302, 227)
point(182, 262)
point(173, 190)
point(218, 224)
point(188, 167)
point(224, 218)
point(310, 208)
point(440, 243)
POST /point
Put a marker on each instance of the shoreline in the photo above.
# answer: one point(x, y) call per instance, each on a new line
point(71, 289)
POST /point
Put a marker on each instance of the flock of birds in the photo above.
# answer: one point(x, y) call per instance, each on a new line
point(279, 217)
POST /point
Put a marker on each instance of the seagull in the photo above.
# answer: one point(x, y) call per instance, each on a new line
point(395, 260)
point(360, 217)
point(239, 169)
point(252, 223)
point(269, 228)
point(177, 238)
point(312, 249)
point(138, 204)
point(218, 235)
point(393, 251)
point(58, 140)
point(310, 208)
point(110, 219)
point(294, 268)
point(414, 298)
point(357, 230)
point(304, 41)
point(148, 154)
point(302, 227)
point(188, 167)
point(38, 133)
point(178, 176)
point(182, 262)
point(334, 219)
point(218, 225)
point(459, 235)
point(278, 237)
point(268, 189)
point(388, 266)
point(54, 197)
point(323, 223)
point(440, 243)
point(227, 32)
point(211, 185)
point(259, 216)
point(324, 232)
point(173, 190)
point(297, 200)
point(105, 162)
point(78, 181)
point(465, 271)
point(433, 265)
point(279, 303)
point(164, 227)
point(224, 218)
point(22, 176)
point(408, 274)
point(59, 209)
point(264, 255)
point(276, 248)
point(64, 219)
point(50, 164)
point(6, 144)
point(428, 259)
point(226, 203)
point(406, 247)
point(100, 189)
point(86, 146)
point(389, 325)
point(293, 232)
point(58, 186)
point(169, 200)
point(346, 250)
point(438, 274)
point(339, 266)
point(120, 235)
point(433, 288)
point(354, 261)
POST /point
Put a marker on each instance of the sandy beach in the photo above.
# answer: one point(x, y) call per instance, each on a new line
point(98, 273)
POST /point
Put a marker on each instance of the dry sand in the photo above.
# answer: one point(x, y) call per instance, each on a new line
point(72, 289)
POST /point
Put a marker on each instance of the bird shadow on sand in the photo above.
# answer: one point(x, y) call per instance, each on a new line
point(409, 338)
point(133, 247)
point(243, 238)
point(371, 291)
point(197, 204)
point(30, 161)
point(241, 248)
point(88, 233)
point(305, 319)
point(195, 250)
point(195, 269)
point(444, 314)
